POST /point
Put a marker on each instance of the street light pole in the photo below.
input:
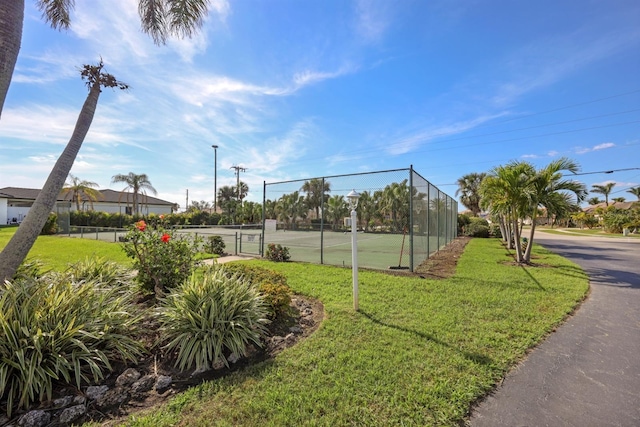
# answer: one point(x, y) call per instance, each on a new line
point(215, 177)
point(353, 197)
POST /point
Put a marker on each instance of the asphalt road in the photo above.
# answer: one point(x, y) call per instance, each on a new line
point(587, 373)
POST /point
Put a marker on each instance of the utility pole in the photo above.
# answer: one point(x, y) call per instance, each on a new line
point(187, 205)
point(238, 169)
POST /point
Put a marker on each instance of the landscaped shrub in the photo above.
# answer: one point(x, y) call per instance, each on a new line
point(463, 221)
point(55, 328)
point(51, 226)
point(211, 316)
point(494, 231)
point(477, 227)
point(106, 272)
point(216, 245)
point(272, 284)
point(164, 259)
point(277, 253)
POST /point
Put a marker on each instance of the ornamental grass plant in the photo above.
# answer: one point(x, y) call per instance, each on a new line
point(210, 317)
point(62, 327)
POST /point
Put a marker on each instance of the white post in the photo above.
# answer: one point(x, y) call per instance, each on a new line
point(354, 257)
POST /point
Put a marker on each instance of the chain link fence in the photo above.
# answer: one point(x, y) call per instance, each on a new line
point(402, 219)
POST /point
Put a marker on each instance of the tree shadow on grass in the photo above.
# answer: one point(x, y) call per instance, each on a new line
point(474, 357)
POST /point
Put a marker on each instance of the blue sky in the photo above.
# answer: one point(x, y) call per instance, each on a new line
point(298, 89)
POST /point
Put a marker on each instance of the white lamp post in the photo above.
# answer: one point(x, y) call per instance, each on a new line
point(353, 204)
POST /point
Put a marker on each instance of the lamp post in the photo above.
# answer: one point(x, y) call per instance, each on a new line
point(215, 178)
point(353, 197)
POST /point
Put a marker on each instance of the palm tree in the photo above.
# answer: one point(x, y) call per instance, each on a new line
point(605, 190)
point(635, 191)
point(80, 191)
point(468, 188)
point(241, 191)
point(160, 19)
point(18, 247)
point(316, 189)
point(506, 192)
point(619, 199)
point(395, 202)
point(290, 207)
point(594, 201)
point(336, 208)
point(138, 184)
point(552, 192)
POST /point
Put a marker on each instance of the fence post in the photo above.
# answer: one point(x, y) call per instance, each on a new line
point(236, 248)
point(264, 217)
point(97, 237)
point(241, 242)
point(411, 218)
point(322, 225)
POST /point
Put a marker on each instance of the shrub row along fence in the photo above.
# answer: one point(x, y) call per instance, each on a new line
point(401, 219)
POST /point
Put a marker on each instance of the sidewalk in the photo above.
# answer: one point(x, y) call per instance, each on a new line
point(229, 258)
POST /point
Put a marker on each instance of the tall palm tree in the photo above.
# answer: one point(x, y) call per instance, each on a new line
point(81, 191)
point(553, 193)
point(635, 191)
point(241, 191)
point(469, 190)
point(506, 192)
point(316, 189)
point(336, 208)
point(160, 19)
point(605, 190)
point(138, 184)
point(395, 202)
point(18, 247)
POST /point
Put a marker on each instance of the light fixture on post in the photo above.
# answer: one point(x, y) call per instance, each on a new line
point(353, 197)
point(215, 177)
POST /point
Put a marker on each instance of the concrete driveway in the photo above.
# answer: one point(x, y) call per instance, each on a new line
point(587, 373)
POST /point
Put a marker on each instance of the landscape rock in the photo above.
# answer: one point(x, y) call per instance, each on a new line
point(128, 377)
point(79, 400)
point(62, 402)
point(36, 418)
point(163, 383)
point(72, 413)
point(113, 397)
point(233, 358)
point(95, 392)
point(143, 385)
point(295, 329)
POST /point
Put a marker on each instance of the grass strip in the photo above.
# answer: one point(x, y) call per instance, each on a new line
point(57, 252)
point(419, 352)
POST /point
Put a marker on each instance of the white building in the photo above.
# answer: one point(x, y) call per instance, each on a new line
point(15, 203)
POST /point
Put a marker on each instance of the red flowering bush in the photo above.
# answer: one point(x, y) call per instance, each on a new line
point(163, 258)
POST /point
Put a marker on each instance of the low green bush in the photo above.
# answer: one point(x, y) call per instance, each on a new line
point(61, 328)
point(211, 316)
point(477, 227)
point(272, 284)
point(51, 226)
point(216, 245)
point(277, 253)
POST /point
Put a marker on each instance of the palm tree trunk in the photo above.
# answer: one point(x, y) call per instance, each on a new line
point(12, 14)
point(527, 253)
point(18, 247)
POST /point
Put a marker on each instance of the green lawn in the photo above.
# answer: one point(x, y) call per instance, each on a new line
point(419, 352)
point(57, 252)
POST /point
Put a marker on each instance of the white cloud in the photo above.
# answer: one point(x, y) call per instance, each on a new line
point(373, 18)
point(409, 143)
point(529, 156)
point(553, 153)
point(603, 146)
